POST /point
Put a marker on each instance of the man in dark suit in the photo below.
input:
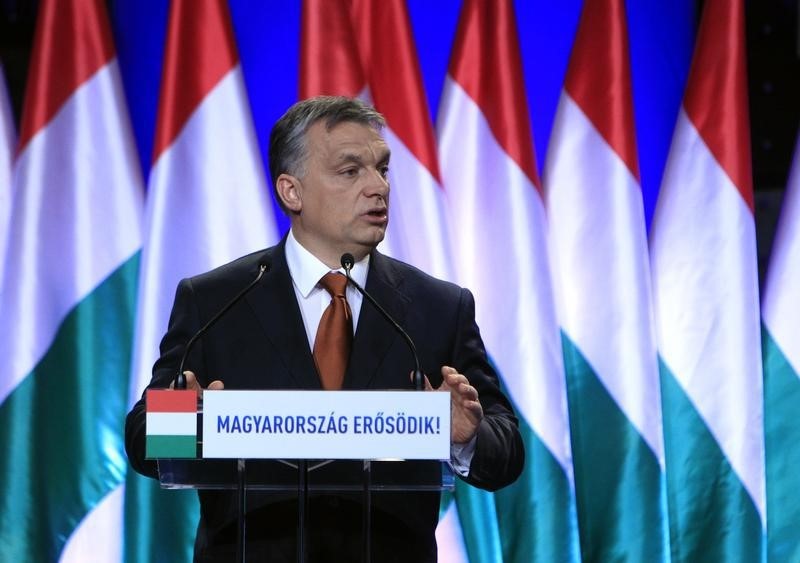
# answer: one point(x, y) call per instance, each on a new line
point(329, 168)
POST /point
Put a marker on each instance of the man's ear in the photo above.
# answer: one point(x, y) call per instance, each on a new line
point(288, 188)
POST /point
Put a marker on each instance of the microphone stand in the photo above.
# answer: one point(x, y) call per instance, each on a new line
point(347, 262)
point(366, 521)
point(241, 523)
point(180, 383)
point(302, 507)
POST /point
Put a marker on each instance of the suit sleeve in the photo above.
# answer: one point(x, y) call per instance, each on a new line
point(499, 452)
point(183, 323)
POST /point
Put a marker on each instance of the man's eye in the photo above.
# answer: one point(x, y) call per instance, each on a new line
point(384, 170)
point(350, 172)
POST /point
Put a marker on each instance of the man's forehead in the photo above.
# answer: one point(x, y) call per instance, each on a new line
point(348, 137)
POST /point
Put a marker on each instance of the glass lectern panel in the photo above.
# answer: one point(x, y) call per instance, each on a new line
point(322, 475)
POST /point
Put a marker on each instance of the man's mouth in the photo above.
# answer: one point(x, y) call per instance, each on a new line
point(377, 213)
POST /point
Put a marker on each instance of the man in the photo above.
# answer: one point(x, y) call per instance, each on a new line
point(329, 168)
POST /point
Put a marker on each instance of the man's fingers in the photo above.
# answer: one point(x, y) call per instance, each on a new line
point(468, 392)
point(216, 385)
point(474, 407)
point(452, 378)
point(452, 381)
point(459, 383)
point(191, 381)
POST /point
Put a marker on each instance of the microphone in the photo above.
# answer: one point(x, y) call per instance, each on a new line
point(180, 380)
point(347, 262)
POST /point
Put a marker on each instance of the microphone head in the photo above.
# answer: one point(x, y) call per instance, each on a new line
point(347, 261)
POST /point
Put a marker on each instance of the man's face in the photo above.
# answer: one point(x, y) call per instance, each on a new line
point(340, 204)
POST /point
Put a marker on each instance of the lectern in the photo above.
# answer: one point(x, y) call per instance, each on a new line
point(301, 442)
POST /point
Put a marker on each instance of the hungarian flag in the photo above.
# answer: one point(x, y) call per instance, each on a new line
point(601, 274)
point(705, 282)
point(69, 297)
point(171, 421)
point(7, 142)
point(497, 211)
point(781, 349)
point(207, 204)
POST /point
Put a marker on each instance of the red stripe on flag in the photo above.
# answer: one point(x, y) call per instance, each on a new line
point(329, 62)
point(486, 63)
point(72, 42)
point(372, 47)
point(599, 76)
point(716, 92)
point(170, 400)
point(200, 50)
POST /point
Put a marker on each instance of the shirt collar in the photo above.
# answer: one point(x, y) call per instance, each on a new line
point(306, 269)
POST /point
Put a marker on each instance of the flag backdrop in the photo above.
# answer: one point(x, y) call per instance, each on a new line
point(468, 206)
point(781, 342)
point(68, 297)
point(498, 220)
point(207, 204)
point(705, 281)
point(601, 279)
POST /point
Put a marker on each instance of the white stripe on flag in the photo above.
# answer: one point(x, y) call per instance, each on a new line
point(171, 423)
point(703, 247)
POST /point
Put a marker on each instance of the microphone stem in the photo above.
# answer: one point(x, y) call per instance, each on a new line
point(419, 380)
point(180, 379)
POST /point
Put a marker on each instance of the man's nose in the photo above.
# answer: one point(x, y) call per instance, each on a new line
point(377, 183)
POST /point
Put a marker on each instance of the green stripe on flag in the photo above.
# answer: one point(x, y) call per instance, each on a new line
point(61, 429)
point(537, 513)
point(712, 517)
point(618, 480)
point(160, 524)
point(161, 446)
point(478, 519)
point(782, 432)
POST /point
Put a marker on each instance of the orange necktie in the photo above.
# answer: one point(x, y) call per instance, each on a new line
point(335, 334)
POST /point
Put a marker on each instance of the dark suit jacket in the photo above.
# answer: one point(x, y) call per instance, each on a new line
point(261, 344)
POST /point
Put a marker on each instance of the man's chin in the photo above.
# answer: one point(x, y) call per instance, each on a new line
point(371, 240)
point(376, 234)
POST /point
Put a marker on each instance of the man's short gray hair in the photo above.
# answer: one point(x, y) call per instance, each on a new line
point(287, 141)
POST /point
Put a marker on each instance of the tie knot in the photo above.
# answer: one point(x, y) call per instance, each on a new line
point(334, 283)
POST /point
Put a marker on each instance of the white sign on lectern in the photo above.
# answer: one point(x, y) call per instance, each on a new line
point(326, 425)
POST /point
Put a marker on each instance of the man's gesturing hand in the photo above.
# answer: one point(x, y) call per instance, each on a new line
point(193, 384)
point(466, 412)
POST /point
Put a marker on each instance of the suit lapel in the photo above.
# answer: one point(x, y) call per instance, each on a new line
point(374, 335)
point(275, 305)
